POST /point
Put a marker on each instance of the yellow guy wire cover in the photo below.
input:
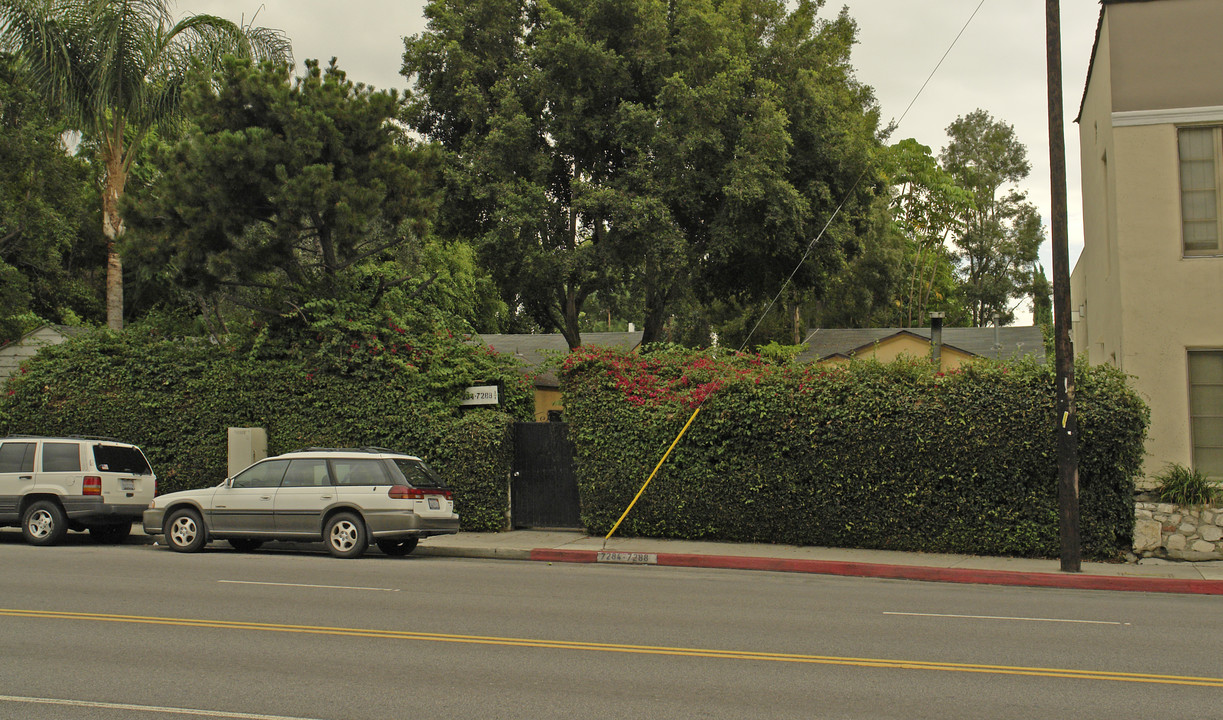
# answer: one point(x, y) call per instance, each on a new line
point(651, 477)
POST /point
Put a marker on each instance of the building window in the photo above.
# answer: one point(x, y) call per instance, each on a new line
point(1206, 410)
point(1201, 164)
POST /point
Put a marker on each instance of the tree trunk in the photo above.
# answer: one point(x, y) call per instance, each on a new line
point(571, 331)
point(112, 229)
point(657, 297)
point(798, 321)
point(655, 318)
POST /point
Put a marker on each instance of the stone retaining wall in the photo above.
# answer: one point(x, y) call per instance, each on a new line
point(1177, 532)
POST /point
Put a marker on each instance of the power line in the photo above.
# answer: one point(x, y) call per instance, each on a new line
point(794, 272)
point(857, 182)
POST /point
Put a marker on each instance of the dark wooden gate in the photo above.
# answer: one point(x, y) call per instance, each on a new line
point(543, 488)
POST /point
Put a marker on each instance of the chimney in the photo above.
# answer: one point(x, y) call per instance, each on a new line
point(936, 338)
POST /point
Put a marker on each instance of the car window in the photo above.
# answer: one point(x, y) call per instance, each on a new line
point(417, 473)
point(262, 475)
point(360, 472)
point(306, 473)
point(61, 457)
point(119, 459)
point(16, 457)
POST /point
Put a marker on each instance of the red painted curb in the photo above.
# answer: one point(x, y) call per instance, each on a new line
point(910, 572)
point(573, 556)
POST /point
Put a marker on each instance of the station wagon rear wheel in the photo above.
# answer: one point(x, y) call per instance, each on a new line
point(43, 523)
point(185, 531)
point(345, 535)
point(398, 548)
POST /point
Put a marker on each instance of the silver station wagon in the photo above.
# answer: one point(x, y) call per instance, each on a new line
point(346, 498)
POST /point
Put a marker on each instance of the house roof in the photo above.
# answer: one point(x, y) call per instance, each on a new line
point(13, 353)
point(1012, 341)
point(65, 331)
point(535, 349)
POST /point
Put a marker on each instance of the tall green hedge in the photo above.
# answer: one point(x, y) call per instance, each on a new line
point(175, 400)
point(893, 456)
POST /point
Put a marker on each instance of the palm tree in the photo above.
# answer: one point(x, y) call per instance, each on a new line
point(116, 69)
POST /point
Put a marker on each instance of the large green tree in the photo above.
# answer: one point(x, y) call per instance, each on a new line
point(115, 69)
point(286, 191)
point(928, 207)
point(48, 213)
point(1001, 232)
point(679, 149)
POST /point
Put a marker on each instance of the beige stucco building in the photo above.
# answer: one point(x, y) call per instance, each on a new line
point(1148, 287)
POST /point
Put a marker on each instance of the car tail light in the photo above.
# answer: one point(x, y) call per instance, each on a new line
point(402, 492)
point(92, 485)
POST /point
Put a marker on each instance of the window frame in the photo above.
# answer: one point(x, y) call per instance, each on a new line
point(330, 478)
point(341, 480)
point(233, 482)
point(1193, 417)
point(50, 449)
point(1217, 147)
point(29, 450)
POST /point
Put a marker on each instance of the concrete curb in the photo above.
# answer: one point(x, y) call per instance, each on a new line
point(894, 572)
point(470, 552)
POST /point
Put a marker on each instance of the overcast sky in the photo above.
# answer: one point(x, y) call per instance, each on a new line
point(997, 65)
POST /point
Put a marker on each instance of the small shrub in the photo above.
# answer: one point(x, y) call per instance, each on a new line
point(1185, 486)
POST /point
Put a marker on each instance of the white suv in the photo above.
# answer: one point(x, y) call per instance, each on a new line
point(50, 485)
point(344, 497)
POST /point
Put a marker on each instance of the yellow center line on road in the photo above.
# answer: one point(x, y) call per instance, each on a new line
point(624, 648)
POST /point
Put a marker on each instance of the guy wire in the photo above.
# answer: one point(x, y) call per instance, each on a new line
point(793, 272)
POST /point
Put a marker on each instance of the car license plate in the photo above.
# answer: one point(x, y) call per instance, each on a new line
point(433, 504)
point(128, 484)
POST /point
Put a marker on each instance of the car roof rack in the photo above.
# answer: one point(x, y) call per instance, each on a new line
point(103, 438)
point(367, 449)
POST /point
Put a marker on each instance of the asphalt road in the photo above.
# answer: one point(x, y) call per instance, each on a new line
point(137, 631)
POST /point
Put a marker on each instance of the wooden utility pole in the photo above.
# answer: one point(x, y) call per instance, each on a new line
point(1067, 424)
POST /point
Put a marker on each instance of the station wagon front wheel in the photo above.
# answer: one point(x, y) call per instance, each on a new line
point(185, 531)
point(345, 535)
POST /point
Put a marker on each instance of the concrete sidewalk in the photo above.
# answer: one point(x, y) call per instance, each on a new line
point(1148, 575)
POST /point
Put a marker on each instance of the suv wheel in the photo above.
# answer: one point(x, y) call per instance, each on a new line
point(185, 531)
point(43, 523)
point(345, 535)
point(110, 534)
point(398, 548)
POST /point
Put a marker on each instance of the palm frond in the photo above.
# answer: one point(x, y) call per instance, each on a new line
point(207, 38)
point(110, 63)
point(42, 41)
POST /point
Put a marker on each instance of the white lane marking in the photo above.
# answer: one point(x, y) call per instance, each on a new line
point(149, 708)
point(303, 585)
point(1000, 617)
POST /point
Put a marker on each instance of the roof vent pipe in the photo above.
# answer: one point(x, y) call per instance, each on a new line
point(936, 338)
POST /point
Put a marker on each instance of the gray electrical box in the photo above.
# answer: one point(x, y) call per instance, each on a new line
point(246, 446)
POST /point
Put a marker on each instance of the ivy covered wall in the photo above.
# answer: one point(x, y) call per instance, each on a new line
point(893, 456)
point(176, 398)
